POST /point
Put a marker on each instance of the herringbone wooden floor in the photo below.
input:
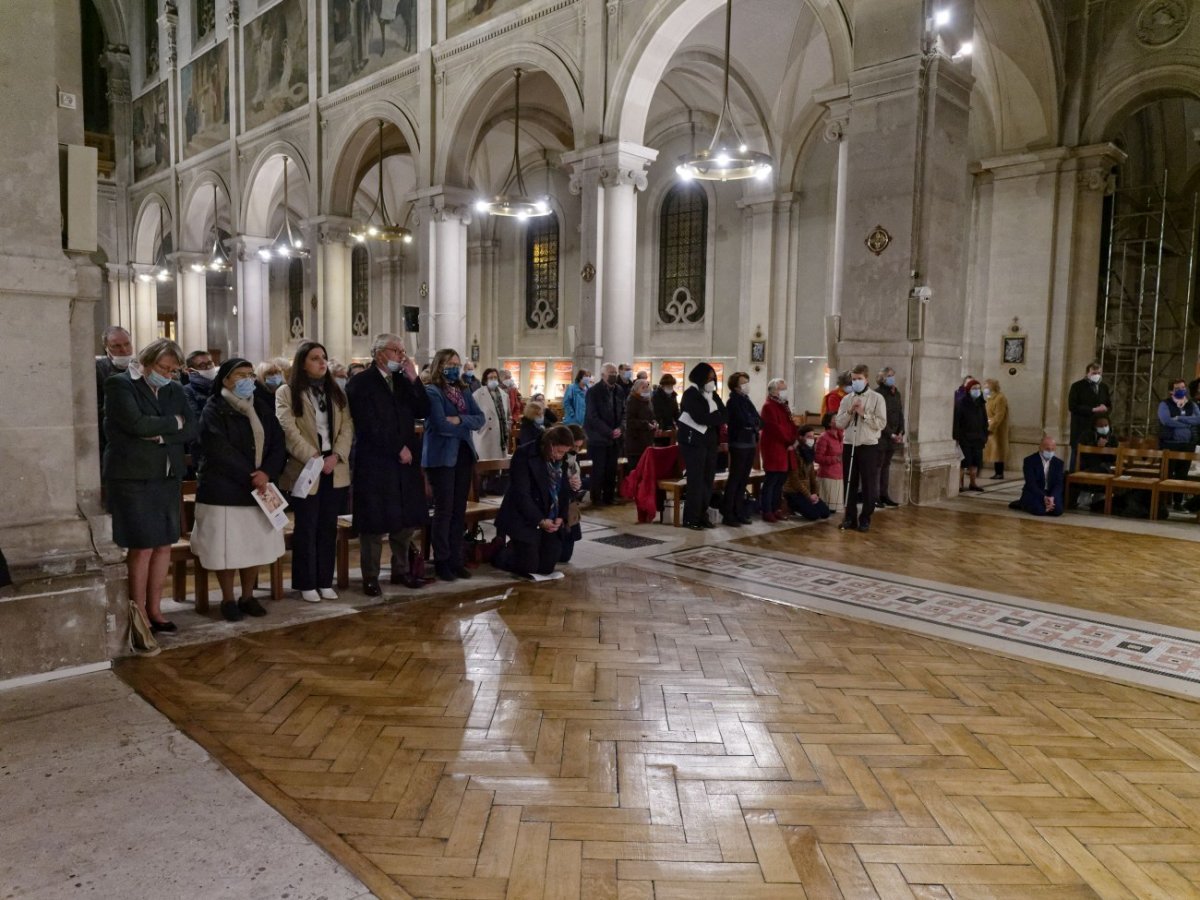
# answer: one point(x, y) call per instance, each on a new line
point(623, 734)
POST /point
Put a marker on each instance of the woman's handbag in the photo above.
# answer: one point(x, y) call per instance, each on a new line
point(141, 638)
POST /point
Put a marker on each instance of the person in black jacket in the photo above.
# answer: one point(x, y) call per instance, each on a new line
point(640, 425)
point(1089, 397)
point(971, 430)
point(602, 424)
point(701, 415)
point(118, 354)
point(201, 375)
point(147, 421)
point(534, 511)
point(244, 451)
point(387, 485)
point(744, 426)
point(665, 403)
point(893, 436)
point(533, 423)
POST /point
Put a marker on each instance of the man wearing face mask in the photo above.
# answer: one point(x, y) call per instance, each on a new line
point(863, 416)
point(1178, 415)
point(625, 379)
point(602, 422)
point(892, 438)
point(468, 377)
point(201, 372)
point(665, 403)
point(1045, 478)
point(1088, 397)
point(118, 354)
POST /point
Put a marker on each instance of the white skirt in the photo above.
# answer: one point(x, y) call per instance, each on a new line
point(234, 537)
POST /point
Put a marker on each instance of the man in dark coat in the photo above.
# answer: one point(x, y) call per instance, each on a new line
point(602, 424)
point(1089, 397)
point(1045, 480)
point(386, 401)
point(893, 436)
point(118, 354)
point(201, 374)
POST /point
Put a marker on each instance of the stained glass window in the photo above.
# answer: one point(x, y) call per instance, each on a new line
point(360, 292)
point(296, 299)
point(683, 255)
point(541, 273)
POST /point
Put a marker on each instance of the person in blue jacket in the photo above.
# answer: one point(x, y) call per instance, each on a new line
point(448, 457)
point(1045, 480)
point(575, 399)
point(1178, 417)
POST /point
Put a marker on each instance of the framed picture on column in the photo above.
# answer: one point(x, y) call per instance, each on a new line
point(1013, 349)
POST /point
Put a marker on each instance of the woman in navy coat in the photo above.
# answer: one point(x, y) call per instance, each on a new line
point(535, 507)
point(448, 456)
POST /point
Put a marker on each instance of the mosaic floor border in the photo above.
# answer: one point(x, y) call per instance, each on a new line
point(1127, 650)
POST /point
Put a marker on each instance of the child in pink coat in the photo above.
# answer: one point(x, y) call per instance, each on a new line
point(827, 454)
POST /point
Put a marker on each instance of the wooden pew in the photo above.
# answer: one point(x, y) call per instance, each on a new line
point(1079, 478)
point(675, 488)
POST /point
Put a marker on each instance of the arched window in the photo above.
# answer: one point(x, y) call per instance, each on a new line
point(683, 254)
point(295, 296)
point(360, 292)
point(541, 273)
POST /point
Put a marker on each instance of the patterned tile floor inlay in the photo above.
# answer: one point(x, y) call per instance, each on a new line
point(1170, 656)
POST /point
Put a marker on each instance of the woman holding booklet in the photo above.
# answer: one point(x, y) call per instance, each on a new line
point(318, 431)
point(243, 453)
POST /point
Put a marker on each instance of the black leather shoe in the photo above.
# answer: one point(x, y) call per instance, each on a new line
point(864, 527)
point(462, 572)
point(695, 526)
point(847, 525)
point(705, 523)
point(445, 574)
point(371, 587)
point(162, 627)
point(742, 520)
point(230, 611)
point(732, 523)
point(888, 501)
point(251, 607)
point(409, 581)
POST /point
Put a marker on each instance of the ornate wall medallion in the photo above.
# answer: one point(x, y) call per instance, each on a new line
point(1161, 21)
point(588, 273)
point(878, 240)
point(424, 290)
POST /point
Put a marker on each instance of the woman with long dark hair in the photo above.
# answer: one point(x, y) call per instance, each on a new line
point(744, 427)
point(701, 416)
point(316, 424)
point(449, 456)
point(535, 508)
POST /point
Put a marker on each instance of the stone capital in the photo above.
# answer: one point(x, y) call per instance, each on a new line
point(442, 203)
point(610, 165)
point(184, 260)
point(249, 244)
point(329, 229)
point(836, 101)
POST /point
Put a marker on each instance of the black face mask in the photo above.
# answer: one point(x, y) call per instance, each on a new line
point(613, 379)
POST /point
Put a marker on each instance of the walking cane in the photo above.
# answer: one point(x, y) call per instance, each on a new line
point(850, 471)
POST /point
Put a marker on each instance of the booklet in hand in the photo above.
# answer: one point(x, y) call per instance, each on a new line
point(308, 476)
point(273, 504)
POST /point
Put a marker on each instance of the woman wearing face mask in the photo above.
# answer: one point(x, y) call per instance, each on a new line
point(341, 375)
point(147, 422)
point(801, 490)
point(744, 427)
point(535, 508)
point(533, 423)
point(971, 430)
point(996, 449)
point(778, 441)
point(701, 416)
point(639, 422)
point(665, 403)
point(244, 451)
point(575, 398)
point(448, 456)
point(270, 375)
point(316, 424)
point(491, 441)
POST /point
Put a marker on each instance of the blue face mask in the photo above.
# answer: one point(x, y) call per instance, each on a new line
point(341, 382)
point(393, 366)
point(540, 422)
point(157, 380)
point(858, 386)
point(1180, 394)
point(274, 380)
point(1047, 455)
point(244, 388)
point(976, 393)
point(451, 373)
point(890, 381)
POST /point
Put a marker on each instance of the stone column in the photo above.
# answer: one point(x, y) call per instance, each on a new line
point(908, 195)
point(483, 294)
point(443, 215)
point(145, 305)
point(837, 101)
point(120, 296)
point(607, 177)
point(333, 276)
point(191, 321)
point(254, 300)
point(758, 270)
point(391, 294)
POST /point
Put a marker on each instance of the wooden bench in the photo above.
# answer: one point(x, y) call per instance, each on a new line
point(1183, 485)
point(1137, 470)
point(675, 488)
point(1079, 478)
point(483, 468)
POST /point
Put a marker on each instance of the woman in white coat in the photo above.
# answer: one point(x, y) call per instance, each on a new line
point(491, 441)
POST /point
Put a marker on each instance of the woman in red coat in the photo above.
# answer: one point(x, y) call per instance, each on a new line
point(776, 445)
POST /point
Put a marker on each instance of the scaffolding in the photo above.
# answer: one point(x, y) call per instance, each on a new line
point(1148, 332)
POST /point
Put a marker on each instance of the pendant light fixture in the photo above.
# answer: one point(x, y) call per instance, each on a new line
point(286, 245)
point(218, 258)
point(519, 205)
point(162, 269)
point(386, 230)
point(725, 160)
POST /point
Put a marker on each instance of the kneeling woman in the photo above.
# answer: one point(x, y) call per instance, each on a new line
point(801, 490)
point(535, 508)
point(243, 452)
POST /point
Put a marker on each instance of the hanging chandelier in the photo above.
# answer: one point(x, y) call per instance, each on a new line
point(520, 205)
point(386, 230)
point(286, 245)
point(218, 258)
point(162, 268)
point(725, 160)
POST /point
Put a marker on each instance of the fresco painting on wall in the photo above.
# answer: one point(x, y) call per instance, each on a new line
point(368, 35)
point(276, 63)
point(204, 92)
point(151, 140)
point(150, 30)
point(464, 14)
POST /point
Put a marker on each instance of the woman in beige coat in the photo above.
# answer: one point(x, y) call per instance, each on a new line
point(996, 450)
point(316, 422)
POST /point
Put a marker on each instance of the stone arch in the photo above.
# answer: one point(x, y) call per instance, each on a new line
point(146, 233)
point(197, 220)
point(354, 140)
point(663, 32)
point(264, 187)
point(464, 121)
point(112, 16)
point(1137, 90)
point(740, 83)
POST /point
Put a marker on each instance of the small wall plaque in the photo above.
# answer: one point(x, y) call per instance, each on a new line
point(878, 240)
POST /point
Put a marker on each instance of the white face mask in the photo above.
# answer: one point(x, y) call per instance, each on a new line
point(205, 374)
point(710, 387)
point(121, 362)
point(508, 382)
point(1094, 378)
point(647, 394)
point(493, 383)
point(669, 390)
point(783, 394)
point(810, 442)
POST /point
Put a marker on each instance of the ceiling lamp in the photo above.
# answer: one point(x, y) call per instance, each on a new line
point(725, 160)
point(520, 205)
point(218, 259)
point(162, 269)
point(386, 230)
point(286, 245)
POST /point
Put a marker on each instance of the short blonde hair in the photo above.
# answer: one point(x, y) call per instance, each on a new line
point(156, 350)
point(533, 408)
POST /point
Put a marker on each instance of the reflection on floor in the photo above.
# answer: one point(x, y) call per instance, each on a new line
point(627, 732)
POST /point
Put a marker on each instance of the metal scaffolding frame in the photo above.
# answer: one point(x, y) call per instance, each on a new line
point(1146, 327)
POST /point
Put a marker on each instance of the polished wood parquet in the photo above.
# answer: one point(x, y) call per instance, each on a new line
point(1141, 576)
point(624, 734)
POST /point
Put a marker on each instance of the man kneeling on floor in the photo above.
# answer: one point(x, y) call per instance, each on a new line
point(536, 505)
point(1045, 479)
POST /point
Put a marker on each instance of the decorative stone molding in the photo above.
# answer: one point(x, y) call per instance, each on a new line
point(170, 25)
point(116, 62)
point(836, 101)
point(233, 14)
point(1160, 22)
point(613, 164)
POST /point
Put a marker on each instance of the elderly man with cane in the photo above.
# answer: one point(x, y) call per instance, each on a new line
point(863, 416)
